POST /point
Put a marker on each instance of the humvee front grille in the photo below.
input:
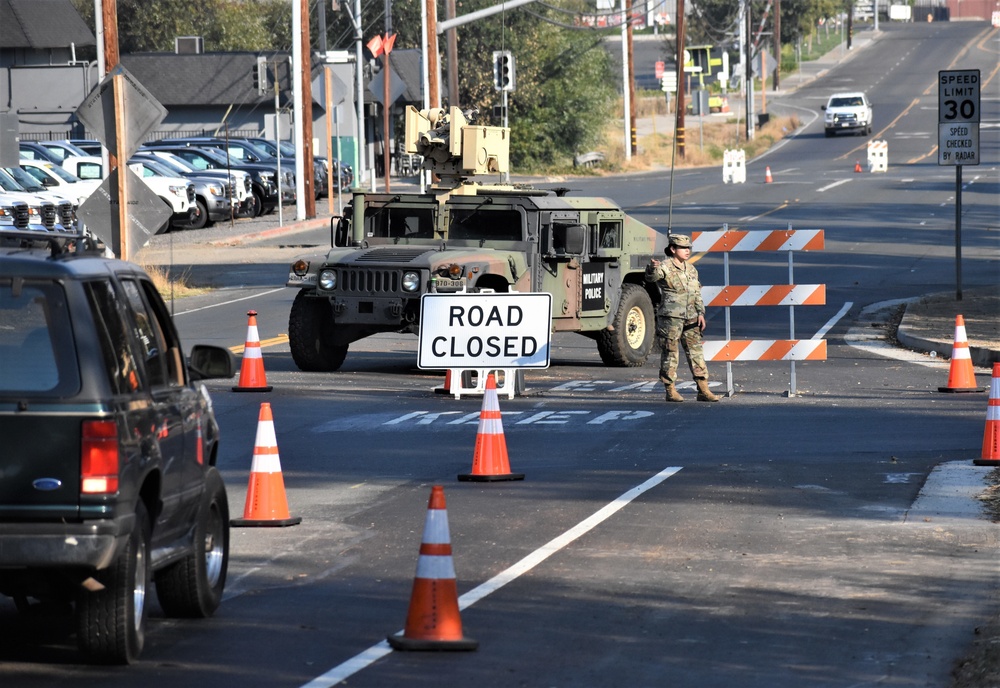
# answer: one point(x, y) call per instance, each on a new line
point(368, 281)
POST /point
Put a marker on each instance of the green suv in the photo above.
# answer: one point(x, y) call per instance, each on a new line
point(107, 473)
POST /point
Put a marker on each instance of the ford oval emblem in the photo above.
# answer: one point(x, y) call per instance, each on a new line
point(47, 484)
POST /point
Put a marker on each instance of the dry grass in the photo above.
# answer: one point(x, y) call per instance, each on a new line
point(171, 285)
point(704, 143)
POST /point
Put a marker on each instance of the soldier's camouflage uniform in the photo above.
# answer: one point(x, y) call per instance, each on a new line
point(677, 318)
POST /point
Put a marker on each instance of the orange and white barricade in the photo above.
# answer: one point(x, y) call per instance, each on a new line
point(734, 166)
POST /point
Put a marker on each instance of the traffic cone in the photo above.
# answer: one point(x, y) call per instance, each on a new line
point(489, 462)
point(266, 504)
point(767, 175)
point(961, 376)
point(252, 376)
point(433, 621)
point(857, 166)
point(991, 436)
point(446, 388)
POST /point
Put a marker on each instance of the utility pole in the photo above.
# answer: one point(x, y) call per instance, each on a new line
point(359, 76)
point(109, 23)
point(451, 40)
point(633, 106)
point(749, 74)
point(308, 181)
point(433, 91)
point(777, 43)
point(681, 82)
point(386, 103)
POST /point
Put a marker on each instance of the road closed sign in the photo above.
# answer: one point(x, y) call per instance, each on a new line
point(511, 330)
point(958, 117)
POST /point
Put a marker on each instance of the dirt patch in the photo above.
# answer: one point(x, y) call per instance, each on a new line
point(980, 667)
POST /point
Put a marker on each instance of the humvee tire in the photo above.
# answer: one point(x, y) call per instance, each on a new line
point(310, 328)
point(628, 344)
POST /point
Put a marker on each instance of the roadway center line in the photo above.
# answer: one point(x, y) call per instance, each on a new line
point(379, 650)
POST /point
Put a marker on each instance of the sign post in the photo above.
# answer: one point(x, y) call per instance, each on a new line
point(958, 139)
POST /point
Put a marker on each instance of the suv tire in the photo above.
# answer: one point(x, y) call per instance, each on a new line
point(111, 623)
point(310, 328)
point(192, 588)
point(629, 343)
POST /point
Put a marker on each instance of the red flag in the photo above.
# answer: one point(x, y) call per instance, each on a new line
point(375, 46)
point(388, 43)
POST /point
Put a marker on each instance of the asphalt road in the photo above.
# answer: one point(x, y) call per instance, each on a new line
point(767, 540)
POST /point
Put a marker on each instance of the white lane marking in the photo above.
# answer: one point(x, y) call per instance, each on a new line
point(381, 649)
point(226, 303)
point(833, 321)
point(834, 184)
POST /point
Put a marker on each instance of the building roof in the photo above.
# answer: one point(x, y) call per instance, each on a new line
point(42, 24)
point(212, 79)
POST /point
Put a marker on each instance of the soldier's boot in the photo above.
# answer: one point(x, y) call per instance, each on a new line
point(704, 393)
point(673, 395)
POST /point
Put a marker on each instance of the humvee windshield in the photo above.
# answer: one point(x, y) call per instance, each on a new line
point(488, 225)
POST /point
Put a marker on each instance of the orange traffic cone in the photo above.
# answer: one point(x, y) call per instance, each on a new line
point(991, 436)
point(446, 388)
point(252, 376)
point(767, 175)
point(266, 504)
point(433, 621)
point(490, 463)
point(961, 376)
point(857, 166)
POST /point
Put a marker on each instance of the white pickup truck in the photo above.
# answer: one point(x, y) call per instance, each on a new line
point(176, 192)
point(848, 112)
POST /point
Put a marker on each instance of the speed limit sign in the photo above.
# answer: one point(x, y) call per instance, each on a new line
point(958, 117)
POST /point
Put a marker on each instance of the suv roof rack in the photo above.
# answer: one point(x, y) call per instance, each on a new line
point(58, 243)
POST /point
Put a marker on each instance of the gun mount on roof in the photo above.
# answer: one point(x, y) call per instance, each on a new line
point(452, 147)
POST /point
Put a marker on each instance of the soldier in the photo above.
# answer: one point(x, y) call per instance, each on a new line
point(680, 317)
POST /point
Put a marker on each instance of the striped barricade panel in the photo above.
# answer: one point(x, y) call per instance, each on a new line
point(765, 295)
point(726, 240)
point(765, 350)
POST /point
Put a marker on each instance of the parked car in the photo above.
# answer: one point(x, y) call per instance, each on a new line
point(178, 193)
point(109, 479)
point(64, 148)
point(88, 146)
point(46, 211)
point(264, 177)
point(211, 196)
point(850, 112)
point(238, 181)
point(245, 150)
point(14, 213)
point(83, 166)
point(55, 178)
point(346, 171)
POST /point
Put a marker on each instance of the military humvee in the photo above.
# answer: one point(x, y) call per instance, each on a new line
point(390, 248)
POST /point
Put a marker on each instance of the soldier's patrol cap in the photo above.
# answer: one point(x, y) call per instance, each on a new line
point(680, 240)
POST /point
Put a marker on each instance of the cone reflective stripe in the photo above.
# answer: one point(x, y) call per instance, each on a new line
point(266, 503)
point(252, 375)
point(490, 462)
point(433, 621)
point(991, 436)
point(961, 375)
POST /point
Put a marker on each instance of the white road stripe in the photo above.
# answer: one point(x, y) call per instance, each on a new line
point(379, 650)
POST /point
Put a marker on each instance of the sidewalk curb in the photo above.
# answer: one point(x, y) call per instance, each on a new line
point(951, 491)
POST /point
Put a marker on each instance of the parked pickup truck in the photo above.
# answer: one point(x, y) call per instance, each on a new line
point(110, 445)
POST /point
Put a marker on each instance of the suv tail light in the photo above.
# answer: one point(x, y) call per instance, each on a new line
point(99, 457)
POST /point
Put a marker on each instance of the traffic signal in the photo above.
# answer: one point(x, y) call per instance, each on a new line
point(503, 70)
point(260, 76)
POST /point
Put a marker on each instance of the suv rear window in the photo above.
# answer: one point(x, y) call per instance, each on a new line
point(37, 356)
